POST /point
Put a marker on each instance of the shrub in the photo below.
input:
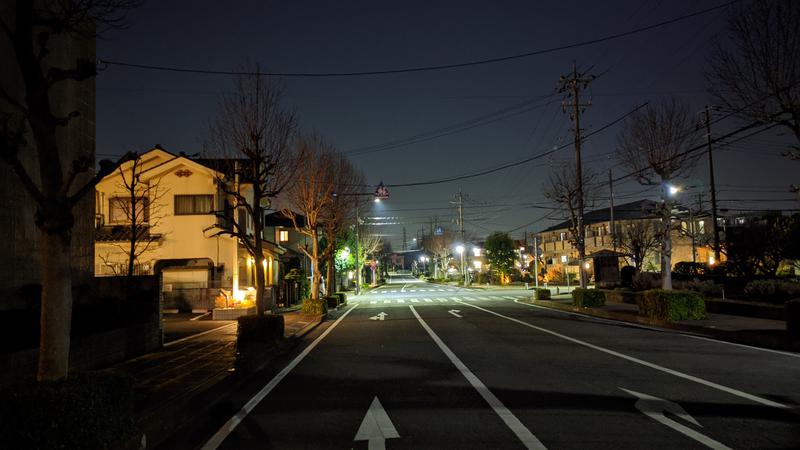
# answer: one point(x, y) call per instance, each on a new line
point(87, 410)
point(342, 297)
point(541, 294)
point(671, 305)
point(332, 301)
point(626, 275)
point(588, 298)
point(311, 306)
point(774, 291)
point(621, 296)
point(708, 288)
point(259, 330)
point(690, 268)
point(644, 281)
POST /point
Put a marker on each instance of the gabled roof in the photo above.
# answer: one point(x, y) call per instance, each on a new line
point(640, 209)
point(157, 161)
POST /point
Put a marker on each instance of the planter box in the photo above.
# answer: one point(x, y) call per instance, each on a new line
point(232, 313)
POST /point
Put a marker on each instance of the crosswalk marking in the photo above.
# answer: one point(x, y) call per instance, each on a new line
point(427, 300)
point(455, 299)
point(509, 297)
point(450, 290)
point(413, 300)
point(400, 300)
point(373, 302)
point(387, 301)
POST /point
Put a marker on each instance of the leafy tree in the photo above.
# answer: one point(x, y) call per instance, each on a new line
point(500, 253)
point(51, 47)
point(759, 246)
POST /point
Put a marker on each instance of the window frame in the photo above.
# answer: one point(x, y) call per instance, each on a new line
point(194, 208)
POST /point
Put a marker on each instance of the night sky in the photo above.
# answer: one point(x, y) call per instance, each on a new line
point(139, 108)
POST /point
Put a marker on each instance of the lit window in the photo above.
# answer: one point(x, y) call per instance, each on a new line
point(283, 236)
point(563, 258)
point(701, 226)
point(562, 236)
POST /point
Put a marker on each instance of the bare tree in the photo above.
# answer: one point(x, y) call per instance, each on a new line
point(340, 213)
point(369, 243)
point(655, 144)
point(440, 248)
point(143, 210)
point(31, 120)
point(758, 72)
point(254, 133)
point(311, 196)
point(638, 239)
point(562, 189)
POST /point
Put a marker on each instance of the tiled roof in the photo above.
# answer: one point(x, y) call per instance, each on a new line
point(641, 209)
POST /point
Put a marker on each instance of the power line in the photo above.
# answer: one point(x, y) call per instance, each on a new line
point(108, 62)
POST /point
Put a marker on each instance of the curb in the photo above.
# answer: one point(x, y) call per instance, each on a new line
point(777, 341)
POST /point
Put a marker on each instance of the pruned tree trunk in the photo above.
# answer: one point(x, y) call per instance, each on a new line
point(56, 314)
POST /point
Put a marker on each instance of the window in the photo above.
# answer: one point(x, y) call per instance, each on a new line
point(562, 236)
point(194, 204)
point(564, 258)
point(283, 236)
point(701, 226)
point(119, 210)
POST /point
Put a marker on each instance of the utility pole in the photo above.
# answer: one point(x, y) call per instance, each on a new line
point(536, 261)
point(358, 252)
point(611, 211)
point(713, 187)
point(404, 239)
point(461, 230)
point(572, 85)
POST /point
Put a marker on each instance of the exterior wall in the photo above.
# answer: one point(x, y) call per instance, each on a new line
point(20, 260)
point(555, 245)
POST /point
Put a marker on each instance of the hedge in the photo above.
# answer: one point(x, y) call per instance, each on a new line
point(86, 410)
point(342, 297)
point(588, 298)
point(671, 305)
point(262, 330)
point(332, 301)
point(541, 294)
point(318, 306)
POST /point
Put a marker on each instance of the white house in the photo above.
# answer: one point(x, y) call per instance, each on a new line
point(182, 210)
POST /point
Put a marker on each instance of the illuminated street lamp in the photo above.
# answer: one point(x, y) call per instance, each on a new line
point(460, 250)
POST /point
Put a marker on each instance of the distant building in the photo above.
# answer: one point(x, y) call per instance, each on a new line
point(556, 247)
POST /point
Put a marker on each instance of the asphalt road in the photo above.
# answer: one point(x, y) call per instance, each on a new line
point(414, 365)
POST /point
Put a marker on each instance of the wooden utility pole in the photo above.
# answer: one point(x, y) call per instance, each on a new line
point(612, 225)
point(713, 187)
point(571, 85)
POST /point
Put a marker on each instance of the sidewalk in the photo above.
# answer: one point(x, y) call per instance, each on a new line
point(188, 376)
point(739, 329)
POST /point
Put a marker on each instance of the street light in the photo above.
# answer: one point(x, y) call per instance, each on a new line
point(672, 190)
point(460, 250)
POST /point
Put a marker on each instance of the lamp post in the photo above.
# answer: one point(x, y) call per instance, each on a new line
point(460, 250)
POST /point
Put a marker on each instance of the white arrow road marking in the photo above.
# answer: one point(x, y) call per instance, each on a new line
point(654, 408)
point(376, 427)
point(685, 376)
point(455, 312)
point(505, 414)
point(233, 422)
point(380, 316)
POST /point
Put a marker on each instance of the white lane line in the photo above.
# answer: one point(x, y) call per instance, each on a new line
point(178, 341)
point(372, 302)
point(200, 316)
point(484, 298)
point(455, 299)
point(440, 290)
point(386, 302)
point(413, 300)
point(394, 290)
point(646, 327)
point(509, 297)
point(400, 300)
point(676, 373)
point(427, 300)
point(226, 429)
point(498, 297)
point(412, 290)
point(511, 421)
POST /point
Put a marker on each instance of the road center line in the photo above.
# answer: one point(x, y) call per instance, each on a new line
point(676, 373)
point(522, 432)
point(233, 422)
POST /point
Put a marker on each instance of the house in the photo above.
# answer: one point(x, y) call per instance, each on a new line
point(182, 214)
point(690, 238)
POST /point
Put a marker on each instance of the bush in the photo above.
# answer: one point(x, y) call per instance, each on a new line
point(621, 296)
point(342, 297)
point(87, 410)
point(671, 305)
point(311, 306)
point(541, 294)
point(690, 268)
point(261, 330)
point(708, 288)
point(644, 281)
point(332, 301)
point(588, 298)
point(773, 291)
point(626, 275)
